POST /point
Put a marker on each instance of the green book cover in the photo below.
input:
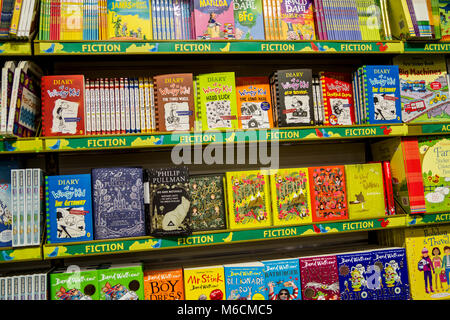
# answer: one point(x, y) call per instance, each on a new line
point(129, 20)
point(248, 20)
point(121, 282)
point(82, 285)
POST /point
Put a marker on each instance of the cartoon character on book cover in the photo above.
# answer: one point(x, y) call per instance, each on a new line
point(218, 113)
point(282, 279)
point(5, 202)
point(176, 116)
point(245, 282)
point(204, 283)
point(297, 109)
point(121, 282)
point(319, 278)
point(129, 20)
point(444, 13)
point(297, 21)
point(248, 19)
point(214, 19)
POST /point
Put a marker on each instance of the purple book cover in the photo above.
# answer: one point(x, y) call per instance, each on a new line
point(118, 197)
point(214, 19)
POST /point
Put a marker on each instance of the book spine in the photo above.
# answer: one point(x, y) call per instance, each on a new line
point(15, 207)
point(152, 105)
point(122, 106)
point(132, 106)
point(108, 107)
point(412, 14)
point(47, 212)
point(137, 104)
point(389, 192)
point(142, 105)
point(21, 192)
point(13, 100)
point(164, 20)
point(28, 229)
point(325, 100)
point(414, 177)
point(148, 115)
point(37, 204)
point(127, 106)
point(4, 97)
point(102, 105)
point(118, 105)
point(15, 17)
point(112, 106)
point(87, 106)
point(98, 105)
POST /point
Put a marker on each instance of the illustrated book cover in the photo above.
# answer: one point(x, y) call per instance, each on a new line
point(282, 279)
point(164, 284)
point(6, 217)
point(297, 19)
point(213, 19)
point(245, 281)
point(248, 19)
point(121, 282)
point(77, 285)
point(204, 283)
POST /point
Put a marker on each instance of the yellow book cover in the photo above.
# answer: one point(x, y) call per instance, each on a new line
point(71, 20)
point(15, 17)
point(248, 199)
point(129, 19)
point(428, 256)
point(365, 191)
point(291, 203)
point(401, 23)
point(204, 283)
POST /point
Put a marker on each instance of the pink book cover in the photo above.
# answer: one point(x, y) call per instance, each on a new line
point(214, 19)
point(319, 278)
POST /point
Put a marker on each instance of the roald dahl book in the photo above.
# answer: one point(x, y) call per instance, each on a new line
point(204, 283)
point(245, 281)
point(282, 279)
point(214, 19)
point(129, 20)
point(248, 20)
point(297, 19)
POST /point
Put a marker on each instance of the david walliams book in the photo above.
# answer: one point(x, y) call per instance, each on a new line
point(204, 283)
point(282, 279)
point(69, 208)
point(319, 278)
point(78, 285)
point(245, 281)
point(164, 284)
point(214, 19)
point(121, 282)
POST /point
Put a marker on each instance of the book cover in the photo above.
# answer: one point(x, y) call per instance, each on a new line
point(169, 201)
point(248, 19)
point(444, 12)
point(164, 284)
point(366, 198)
point(118, 201)
point(424, 88)
point(319, 278)
point(213, 19)
point(121, 282)
point(76, 285)
point(63, 105)
point(6, 85)
point(282, 279)
point(5, 202)
point(174, 101)
point(254, 105)
point(129, 20)
point(328, 193)
point(297, 20)
point(248, 199)
point(207, 202)
point(245, 281)
point(291, 203)
point(204, 283)
point(69, 208)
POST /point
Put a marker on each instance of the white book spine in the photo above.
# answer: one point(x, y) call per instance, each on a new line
point(9, 288)
point(112, 105)
point(127, 106)
point(38, 178)
point(98, 124)
point(4, 100)
point(43, 286)
point(36, 286)
point(102, 105)
point(117, 104)
point(29, 207)
point(122, 107)
point(107, 106)
point(13, 100)
point(148, 121)
point(152, 106)
point(15, 206)
point(22, 288)
point(30, 287)
point(30, 18)
point(87, 106)
point(92, 106)
point(2, 288)
point(22, 182)
point(132, 107)
point(137, 105)
point(15, 291)
point(142, 105)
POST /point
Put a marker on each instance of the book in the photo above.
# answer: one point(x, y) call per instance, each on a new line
point(291, 203)
point(245, 281)
point(213, 20)
point(254, 105)
point(73, 284)
point(69, 208)
point(164, 284)
point(319, 278)
point(5, 202)
point(129, 20)
point(174, 102)
point(297, 20)
point(207, 202)
point(249, 19)
point(121, 282)
point(282, 279)
point(366, 198)
point(328, 193)
point(63, 105)
point(6, 85)
point(169, 201)
point(38, 185)
point(118, 203)
point(204, 283)
point(444, 12)
point(248, 199)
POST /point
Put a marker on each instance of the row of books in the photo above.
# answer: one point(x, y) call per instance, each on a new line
point(17, 19)
point(24, 287)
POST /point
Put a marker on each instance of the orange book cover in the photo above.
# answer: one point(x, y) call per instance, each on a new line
point(164, 284)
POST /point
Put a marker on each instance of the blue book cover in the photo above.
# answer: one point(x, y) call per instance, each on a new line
point(282, 279)
point(393, 272)
point(245, 281)
point(248, 19)
point(69, 208)
point(357, 276)
point(118, 197)
point(5, 202)
point(382, 86)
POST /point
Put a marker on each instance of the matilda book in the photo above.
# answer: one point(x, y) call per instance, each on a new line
point(319, 278)
point(254, 102)
point(328, 193)
point(204, 283)
point(129, 20)
point(292, 96)
point(291, 204)
point(82, 285)
point(213, 19)
point(365, 191)
point(424, 88)
point(248, 20)
point(118, 197)
point(169, 201)
point(245, 281)
point(164, 284)
point(174, 100)
point(207, 202)
point(297, 20)
point(121, 282)
point(69, 208)
point(216, 94)
point(282, 279)
point(248, 199)
point(5, 202)
point(63, 105)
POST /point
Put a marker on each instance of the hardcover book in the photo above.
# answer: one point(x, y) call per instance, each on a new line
point(121, 282)
point(213, 19)
point(129, 20)
point(6, 217)
point(319, 278)
point(204, 283)
point(82, 285)
point(69, 208)
point(245, 281)
point(248, 19)
point(291, 203)
point(164, 284)
point(282, 279)
point(297, 20)
point(118, 197)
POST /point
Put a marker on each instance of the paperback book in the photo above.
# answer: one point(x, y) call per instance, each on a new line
point(164, 284)
point(121, 282)
point(245, 281)
point(297, 20)
point(129, 20)
point(70, 285)
point(6, 217)
point(319, 278)
point(282, 279)
point(248, 19)
point(213, 20)
point(204, 283)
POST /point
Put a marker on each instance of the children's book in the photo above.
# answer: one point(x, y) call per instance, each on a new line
point(248, 19)
point(69, 208)
point(319, 278)
point(291, 203)
point(444, 12)
point(118, 198)
point(254, 103)
point(121, 282)
point(248, 199)
point(207, 202)
point(169, 201)
point(6, 217)
point(282, 279)
point(63, 105)
point(424, 88)
point(129, 20)
point(328, 193)
point(245, 281)
point(6, 85)
point(297, 20)
point(164, 284)
point(204, 283)
point(366, 198)
point(213, 19)
point(79, 284)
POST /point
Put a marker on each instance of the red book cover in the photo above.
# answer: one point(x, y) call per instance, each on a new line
point(62, 105)
point(328, 193)
point(319, 278)
point(338, 98)
point(414, 179)
point(389, 192)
